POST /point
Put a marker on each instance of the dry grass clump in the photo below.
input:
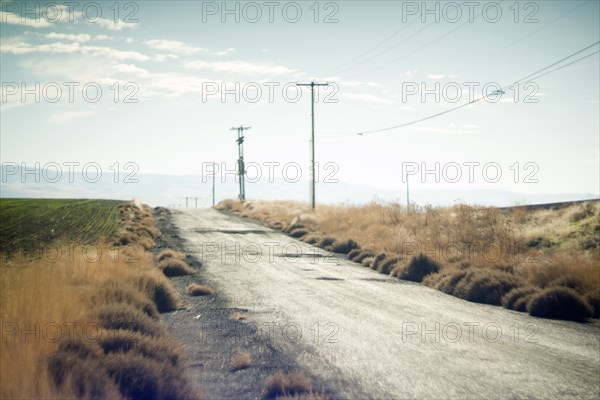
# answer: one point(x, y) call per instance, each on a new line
point(159, 290)
point(326, 242)
point(362, 254)
point(298, 232)
point(114, 292)
point(312, 238)
point(175, 267)
point(418, 268)
point(593, 299)
point(518, 298)
point(168, 253)
point(195, 289)
point(368, 261)
point(239, 316)
point(126, 317)
point(240, 360)
point(287, 385)
point(137, 226)
point(377, 260)
point(559, 303)
point(344, 246)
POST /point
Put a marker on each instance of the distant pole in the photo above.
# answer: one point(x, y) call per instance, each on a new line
point(186, 202)
point(196, 201)
point(241, 165)
point(312, 141)
point(213, 188)
point(407, 196)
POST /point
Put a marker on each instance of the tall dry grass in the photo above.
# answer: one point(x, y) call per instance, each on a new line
point(63, 314)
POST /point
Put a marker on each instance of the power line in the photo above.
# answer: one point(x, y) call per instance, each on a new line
point(373, 48)
point(517, 83)
point(522, 38)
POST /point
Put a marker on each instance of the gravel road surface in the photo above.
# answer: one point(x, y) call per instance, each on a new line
point(361, 334)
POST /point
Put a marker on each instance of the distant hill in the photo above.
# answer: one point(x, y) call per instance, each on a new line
point(171, 190)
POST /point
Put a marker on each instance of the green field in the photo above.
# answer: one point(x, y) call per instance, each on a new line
point(27, 224)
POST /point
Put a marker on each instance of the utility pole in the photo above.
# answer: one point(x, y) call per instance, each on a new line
point(241, 166)
point(407, 196)
point(213, 188)
point(186, 202)
point(312, 141)
point(195, 198)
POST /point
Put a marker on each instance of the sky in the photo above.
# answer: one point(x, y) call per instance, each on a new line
point(139, 86)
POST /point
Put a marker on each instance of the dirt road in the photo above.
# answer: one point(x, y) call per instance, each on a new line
point(366, 335)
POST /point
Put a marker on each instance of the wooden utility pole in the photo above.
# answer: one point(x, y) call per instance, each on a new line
point(241, 166)
point(312, 141)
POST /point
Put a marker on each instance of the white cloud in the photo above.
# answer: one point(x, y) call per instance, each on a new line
point(241, 67)
point(115, 26)
point(163, 57)
point(173, 46)
point(224, 52)
point(439, 77)
point(62, 48)
point(357, 83)
point(368, 98)
point(13, 19)
point(68, 116)
point(103, 37)
point(82, 37)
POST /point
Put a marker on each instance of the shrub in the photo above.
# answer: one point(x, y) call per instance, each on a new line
point(326, 242)
point(194, 289)
point(418, 267)
point(344, 246)
point(353, 253)
point(280, 384)
point(112, 292)
point(298, 232)
point(362, 255)
point(571, 282)
point(168, 253)
point(126, 238)
point(175, 267)
point(387, 264)
point(139, 377)
point(368, 261)
point(377, 260)
point(311, 238)
point(559, 303)
point(77, 370)
point(159, 290)
point(448, 283)
point(121, 316)
point(593, 299)
point(512, 299)
point(162, 348)
point(295, 226)
point(488, 286)
point(240, 360)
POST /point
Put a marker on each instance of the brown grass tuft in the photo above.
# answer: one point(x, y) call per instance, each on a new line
point(168, 253)
point(559, 303)
point(239, 316)
point(195, 289)
point(175, 267)
point(418, 268)
point(126, 317)
point(280, 384)
point(240, 360)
